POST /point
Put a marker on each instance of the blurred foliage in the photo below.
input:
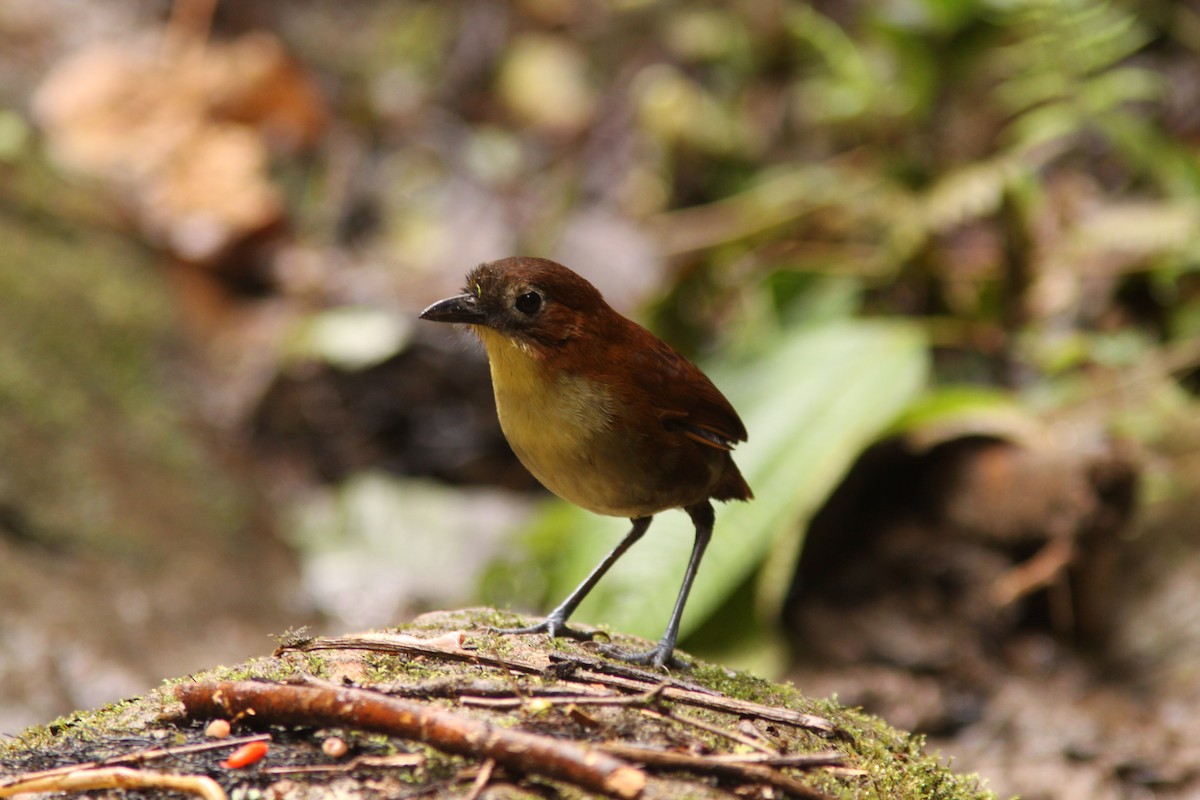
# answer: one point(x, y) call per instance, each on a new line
point(1018, 176)
point(779, 182)
point(98, 455)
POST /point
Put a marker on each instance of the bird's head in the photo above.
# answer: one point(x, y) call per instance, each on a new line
point(533, 302)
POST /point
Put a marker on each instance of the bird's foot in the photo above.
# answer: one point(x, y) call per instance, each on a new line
point(552, 626)
point(660, 656)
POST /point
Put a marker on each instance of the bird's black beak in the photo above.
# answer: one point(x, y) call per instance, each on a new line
point(463, 308)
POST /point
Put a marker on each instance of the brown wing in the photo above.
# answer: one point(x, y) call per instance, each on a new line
point(683, 395)
point(688, 402)
point(654, 384)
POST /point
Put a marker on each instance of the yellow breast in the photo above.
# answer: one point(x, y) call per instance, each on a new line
point(560, 426)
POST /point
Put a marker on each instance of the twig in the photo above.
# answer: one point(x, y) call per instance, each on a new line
point(452, 686)
point(481, 780)
point(140, 757)
point(450, 646)
point(717, 702)
point(156, 753)
point(606, 666)
point(413, 646)
point(596, 671)
point(84, 780)
point(551, 698)
point(503, 703)
point(646, 700)
point(448, 731)
point(379, 762)
point(714, 729)
point(707, 765)
point(508, 676)
point(823, 758)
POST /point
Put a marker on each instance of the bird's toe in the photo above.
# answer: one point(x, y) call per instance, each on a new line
point(550, 626)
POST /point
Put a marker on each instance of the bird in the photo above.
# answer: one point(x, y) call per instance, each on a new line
point(603, 413)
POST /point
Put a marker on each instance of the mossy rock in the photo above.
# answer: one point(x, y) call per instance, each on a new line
point(448, 669)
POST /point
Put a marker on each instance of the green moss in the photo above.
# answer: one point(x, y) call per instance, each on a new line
point(316, 664)
point(893, 762)
point(735, 684)
point(391, 668)
point(88, 726)
point(270, 668)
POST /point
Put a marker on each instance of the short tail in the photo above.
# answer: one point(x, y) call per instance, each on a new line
point(732, 485)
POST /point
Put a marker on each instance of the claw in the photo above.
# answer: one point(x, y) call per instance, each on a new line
point(658, 657)
point(550, 626)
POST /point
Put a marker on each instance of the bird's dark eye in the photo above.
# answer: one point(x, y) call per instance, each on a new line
point(529, 303)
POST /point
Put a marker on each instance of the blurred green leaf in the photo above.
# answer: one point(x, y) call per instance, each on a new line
point(853, 83)
point(951, 412)
point(854, 379)
point(350, 337)
point(811, 403)
point(375, 544)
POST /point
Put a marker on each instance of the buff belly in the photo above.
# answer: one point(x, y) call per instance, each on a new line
point(567, 432)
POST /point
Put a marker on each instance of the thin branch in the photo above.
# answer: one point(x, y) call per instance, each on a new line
point(733, 736)
point(552, 698)
point(824, 758)
point(449, 731)
point(400, 760)
point(586, 670)
point(707, 765)
point(156, 753)
point(645, 700)
point(411, 645)
point(715, 702)
point(140, 757)
point(84, 780)
point(449, 646)
point(481, 780)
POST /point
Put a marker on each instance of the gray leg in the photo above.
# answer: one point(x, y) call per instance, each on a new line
point(555, 623)
point(661, 655)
